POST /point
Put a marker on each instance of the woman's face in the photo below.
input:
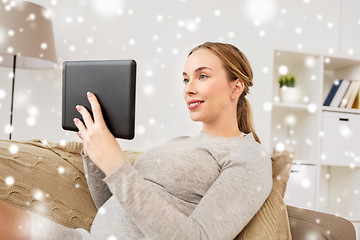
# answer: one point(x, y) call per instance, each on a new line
point(207, 90)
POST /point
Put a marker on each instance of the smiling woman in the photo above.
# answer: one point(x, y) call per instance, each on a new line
point(207, 186)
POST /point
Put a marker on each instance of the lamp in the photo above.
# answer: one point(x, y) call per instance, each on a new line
point(26, 39)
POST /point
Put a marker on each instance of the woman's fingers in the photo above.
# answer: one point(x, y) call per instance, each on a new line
point(79, 125)
point(96, 109)
point(86, 116)
point(79, 135)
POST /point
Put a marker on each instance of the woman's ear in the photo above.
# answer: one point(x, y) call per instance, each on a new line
point(237, 89)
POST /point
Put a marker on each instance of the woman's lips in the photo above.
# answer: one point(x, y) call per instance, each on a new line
point(195, 104)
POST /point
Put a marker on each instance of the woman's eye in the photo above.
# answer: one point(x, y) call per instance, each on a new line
point(202, 76)
point(186, 80)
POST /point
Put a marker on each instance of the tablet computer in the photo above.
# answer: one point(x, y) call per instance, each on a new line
point(112, 81)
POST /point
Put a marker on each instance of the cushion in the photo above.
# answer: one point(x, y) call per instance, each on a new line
point(35, 163)
point(33, 168)
point(32, 165)
point(271, 222)
point(281, 168)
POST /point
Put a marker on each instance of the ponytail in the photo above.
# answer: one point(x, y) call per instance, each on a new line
point(244, 117)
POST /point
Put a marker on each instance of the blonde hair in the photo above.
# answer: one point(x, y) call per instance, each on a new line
point(238, 67)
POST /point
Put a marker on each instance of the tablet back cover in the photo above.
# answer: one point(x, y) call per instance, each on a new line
point(114, 84)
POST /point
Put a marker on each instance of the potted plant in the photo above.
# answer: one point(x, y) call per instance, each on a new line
point(287, 92)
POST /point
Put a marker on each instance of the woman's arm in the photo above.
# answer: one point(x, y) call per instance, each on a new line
point(225, 209)
point(99, 191)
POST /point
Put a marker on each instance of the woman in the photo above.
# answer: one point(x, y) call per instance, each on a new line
point(204, 187)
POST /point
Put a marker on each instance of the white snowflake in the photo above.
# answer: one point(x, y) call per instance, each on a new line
point(68, 19)
point(149, 73)
point(102, 210)
point(330, 25)
point(38, 194)
point(262, 10)
point(327, 61)
point(107, 8)
point(140, 129)
point(262, 33)
point(310, 61)
point(31, 17)
point(61, 170)
point(267, 106)
point(11, 33)
point(132, 42)
point(345, 131)
point(152, 121)
point(159, 18)
point(283, 70)
point(298, 30)
point(305, 183)
point(89, 40)
point(13, 149)
point(63, 142)
point(43, 46)
point(217, 12)
point(8, 128)
point(280, 147)
point(80, 19)
point(290, 120)
point(312, 108)
point(2, 93)
point(31, 121)
point(175, 51)
point(9, 181)
point(149, 89)
point(72, 48)
point(33, 111)
point(10, 49)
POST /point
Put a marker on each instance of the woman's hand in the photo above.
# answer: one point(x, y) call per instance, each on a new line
point(99, 143)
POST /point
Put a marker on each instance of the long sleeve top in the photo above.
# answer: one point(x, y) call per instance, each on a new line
point(201, 187)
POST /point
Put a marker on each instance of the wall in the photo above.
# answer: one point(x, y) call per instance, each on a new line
point(158, 34)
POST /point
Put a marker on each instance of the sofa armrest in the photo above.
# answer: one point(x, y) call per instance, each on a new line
point(308, 224)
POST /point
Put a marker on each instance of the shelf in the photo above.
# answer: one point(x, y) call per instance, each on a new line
point(356, 166)
point(341, 110)
point(299, 106)
point(304, 162)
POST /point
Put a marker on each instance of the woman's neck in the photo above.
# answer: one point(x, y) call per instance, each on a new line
point(225, 130)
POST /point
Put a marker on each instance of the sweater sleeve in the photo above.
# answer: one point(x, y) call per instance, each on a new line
point(229, 204)
point(99, 191)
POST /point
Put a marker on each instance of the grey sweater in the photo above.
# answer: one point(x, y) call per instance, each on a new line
point(202, 187)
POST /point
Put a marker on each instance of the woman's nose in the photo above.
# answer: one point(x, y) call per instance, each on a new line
point(190, 88)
